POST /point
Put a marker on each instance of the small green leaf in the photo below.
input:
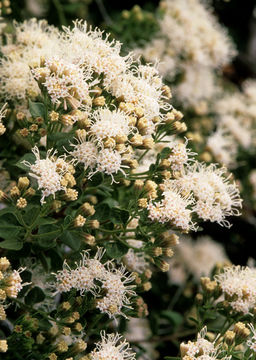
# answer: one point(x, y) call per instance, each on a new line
point(115, 250)
point(45, 221)
point(36, 109)
point(165, 153)
point(34, 296)
point(31, 213)
point(103, 211)
point(71, 239)
point(9, 226)
point(174, 317)
point(47, 235)
point(60, 138)
point(30, 158)
point(96, 179)
point(67, 221)
point(11, 244)
point(119, 216)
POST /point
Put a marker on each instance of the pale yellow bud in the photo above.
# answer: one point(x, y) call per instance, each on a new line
point(21, 203)
point(99, 101)
point(89, 239)
point(54, 116)
point(136, 140)
point(3, 346)
point(70, 195)
point(138, 184)
point(4, 263)
point(143, 203)
point(88, 209)
point(79, 221)
point(81, 134)
point(23, 183)
point(15, 191)
point(148, 143)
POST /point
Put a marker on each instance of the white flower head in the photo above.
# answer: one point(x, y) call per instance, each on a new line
point(223, 146)
point(111, 347)
point(110, 162)
point(198, 257)
point(107, 123)
point(173, 208)
point(66, 82)
point(180, 155)
point(85, 152)
point(135, 261)
point(31, 41)
point(86, 46)
point(239, 285)
point(48, 172)
point(216, 197)
point(143, 88)
point(91, 275)
point(202, 348)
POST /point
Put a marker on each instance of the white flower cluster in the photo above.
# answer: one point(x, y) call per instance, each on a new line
point(223, 146)
point(196, 258)
point(32, 41)
point(201, 349)
point(117, 102)
point(111, 347)
point(180, 155)
point(174, 208)
point(200, 189)
point(191, 42)
point(10, 280)
point(216, 197)
point(49, 172)
point(235, 124)
point(65, 81)
point(86, 276)
point(239, 287)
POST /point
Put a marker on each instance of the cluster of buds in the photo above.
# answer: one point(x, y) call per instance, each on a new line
point(5, 7)
point(30, 129)
point(141, 308)
point(138, 15)
point(19, 193)
point(10, 281)
point(161, 248)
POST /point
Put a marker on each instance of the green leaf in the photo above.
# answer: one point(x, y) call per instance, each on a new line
point(96, 179)
point(45, 221)
point(172, 358)
point(119, 216)
point(11, 244)
point(36, 109)
point(31, 213)
point(67, 221)
point(30, 157)
point(9, 226)
point(71, 239)
point(165, 153)
point(56, 259)
point(48, 234)
point(174, 317)
point(34, 296)
point(115, 250)
point(103, 211)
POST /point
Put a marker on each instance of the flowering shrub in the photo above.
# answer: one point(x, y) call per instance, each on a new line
point(103, 187)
